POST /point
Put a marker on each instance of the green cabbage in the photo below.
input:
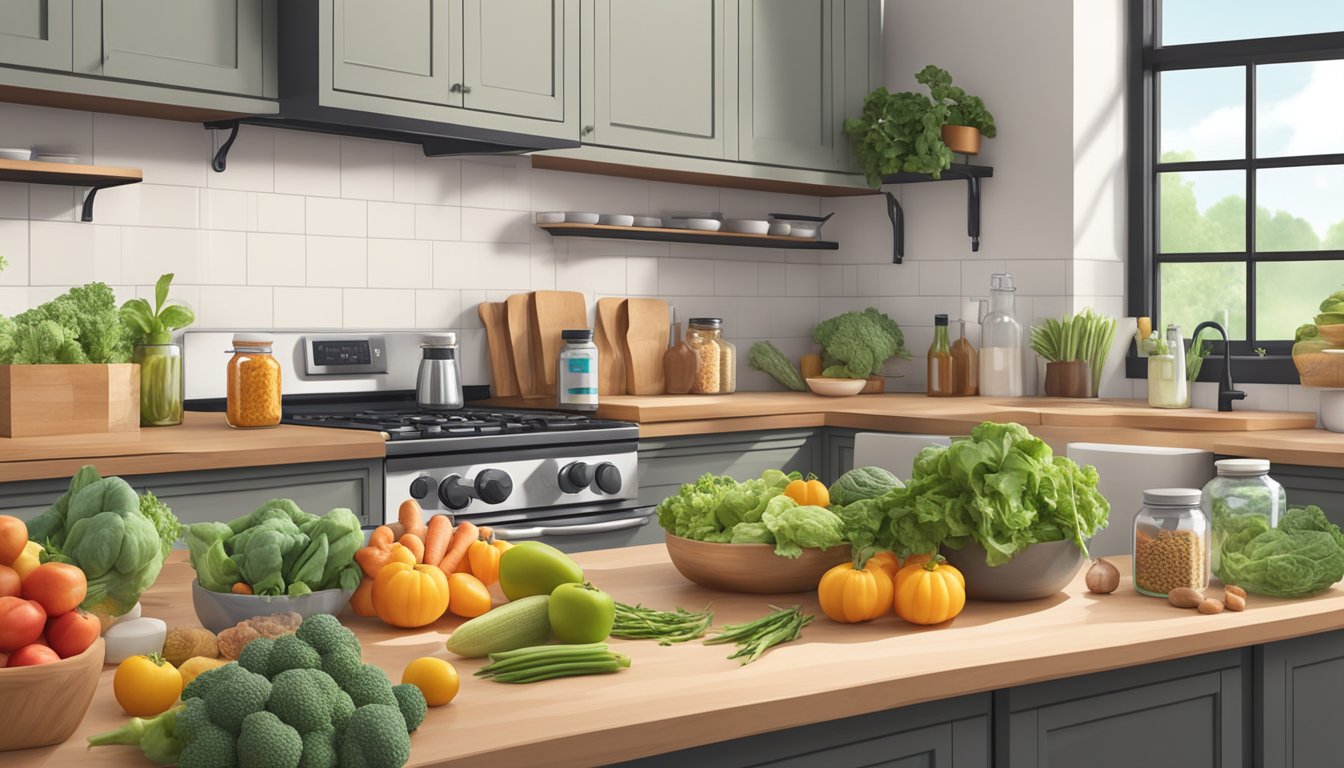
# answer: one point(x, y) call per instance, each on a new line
point(862, 483)
point(798, 527)
point(1303, 555)
point(712, 507)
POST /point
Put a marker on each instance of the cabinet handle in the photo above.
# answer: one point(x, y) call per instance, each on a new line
point(587, 130)
point(456, 88)
point(466, 89)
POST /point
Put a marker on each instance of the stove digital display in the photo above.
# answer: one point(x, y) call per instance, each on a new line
point(342, 353)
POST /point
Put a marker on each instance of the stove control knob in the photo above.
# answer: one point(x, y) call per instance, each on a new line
point(575, 477)
point(607, 479)
point(454, 493)
point(421, 487)
point(493, 486)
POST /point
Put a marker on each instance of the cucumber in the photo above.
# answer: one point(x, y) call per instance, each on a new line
point(518, 624)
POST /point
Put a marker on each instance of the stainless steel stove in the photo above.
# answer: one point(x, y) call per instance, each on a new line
point(567, 478)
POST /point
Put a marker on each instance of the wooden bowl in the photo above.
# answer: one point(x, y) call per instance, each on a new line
point(1332, 333)
point(43, 705)
point(833, 387)
point(751, 568)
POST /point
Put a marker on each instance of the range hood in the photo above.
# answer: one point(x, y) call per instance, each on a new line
point(308, 102)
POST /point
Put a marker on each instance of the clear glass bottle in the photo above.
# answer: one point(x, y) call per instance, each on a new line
point(940, 361)
point(576, 375)
point(1242, 501)
point(1167, 384)
point(1001, 373)
point(703, 335)
point(160, 383)
point(1171, 542)
point(727, 366)
point(965, 366)
point(253, 394)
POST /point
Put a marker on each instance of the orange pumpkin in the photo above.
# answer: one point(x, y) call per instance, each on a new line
point(929, 593)
point(849, 594)
point(410, 595)
point(484, 558)
point(809, 493)
point(917, 559)
point(888, 562)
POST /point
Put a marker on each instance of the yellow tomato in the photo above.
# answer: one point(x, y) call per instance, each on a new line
point(436, 679)
point(28, 560)
point(146, 685)
point(467, 596)
point(193, 667)
point(409, 595)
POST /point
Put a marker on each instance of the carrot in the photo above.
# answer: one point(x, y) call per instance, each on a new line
point(382, 537)
point(463, 536)
point(412, 519)
point(415, 544)
point(372, 559)
point(437, 536)
point(464, 565)
point(398, 530)
point(241, 588)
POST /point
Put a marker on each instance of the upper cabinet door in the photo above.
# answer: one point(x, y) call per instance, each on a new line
point(788, 99)
point(518, 56)
point(401, 49)
point(36, 33)
point(211, 45)
point(658, 76)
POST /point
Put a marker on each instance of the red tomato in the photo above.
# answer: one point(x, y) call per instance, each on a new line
point(13, 538)
point(4, 660)
point(21, 623)
point(71, 633)
point(10, 583)
point(57, 587)
point(32, 655)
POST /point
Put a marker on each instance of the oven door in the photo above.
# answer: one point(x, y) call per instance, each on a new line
point(583, 532)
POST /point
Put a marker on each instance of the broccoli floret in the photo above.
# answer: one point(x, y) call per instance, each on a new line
point(304, 699)
point(289, 652)
point(319, 749)
point(412, 704)
point(325, 634)
point(375, 738)
point(266, 742)
point(182, 736)
point(256, 656)
point(234, 694)
point(370, 685)
point(341, 710)
point(155, 736)
point(341, 664)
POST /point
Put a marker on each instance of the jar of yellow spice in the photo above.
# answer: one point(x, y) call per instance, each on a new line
point(253, 397)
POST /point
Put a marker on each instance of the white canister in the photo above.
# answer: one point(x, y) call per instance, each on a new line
point(576, 375)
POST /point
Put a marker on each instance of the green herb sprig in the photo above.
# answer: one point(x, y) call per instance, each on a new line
point(635, 622)
point(756, 637)
point(156, 326)
point(1086, 336)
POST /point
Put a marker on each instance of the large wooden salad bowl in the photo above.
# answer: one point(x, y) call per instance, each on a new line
point(751, 568)
point(44, 704)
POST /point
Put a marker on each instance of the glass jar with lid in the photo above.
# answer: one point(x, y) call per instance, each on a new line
point(727, 366)
point(703, 335)
point(253, 394)
point(1242, 502)
point(1171, 542)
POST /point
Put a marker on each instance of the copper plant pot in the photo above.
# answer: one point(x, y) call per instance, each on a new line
point(1071, 378)
point(963, 139)
point(874, 385)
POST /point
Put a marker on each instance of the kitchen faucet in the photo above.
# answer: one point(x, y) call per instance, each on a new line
point(1226, 394)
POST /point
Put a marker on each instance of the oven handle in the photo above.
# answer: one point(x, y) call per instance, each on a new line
point(510, 534)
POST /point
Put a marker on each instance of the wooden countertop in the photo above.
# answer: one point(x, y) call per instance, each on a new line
point(202, 441)
point(680, 696)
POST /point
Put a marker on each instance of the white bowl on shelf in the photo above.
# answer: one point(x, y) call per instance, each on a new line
point(648, 221)
point(550, 217)
point(806, 230)
point(616, 219)
point(780, 228)
point(1332, 409)
point(747, 226)
point(833, 387)
point(57, 158)
point(15, 153)
point(704, 225)
point(581, 217)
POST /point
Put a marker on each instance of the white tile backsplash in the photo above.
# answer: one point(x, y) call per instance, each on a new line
point(332, 216)
point(337, 262)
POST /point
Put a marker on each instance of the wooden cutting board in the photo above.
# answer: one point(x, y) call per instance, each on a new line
point(679, 362)
point(520, 343)
point(645, 344)
point(553, 312)
point(609, 336)
point(495, 318)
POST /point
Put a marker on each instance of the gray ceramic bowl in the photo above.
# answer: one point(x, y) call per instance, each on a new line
point(218, 610)
point(1038, 571)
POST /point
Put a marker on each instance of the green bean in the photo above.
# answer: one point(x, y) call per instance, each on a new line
point(677, 626)
point(545, 650)
point(545, 662)
point(513, 665)
point(755, 638)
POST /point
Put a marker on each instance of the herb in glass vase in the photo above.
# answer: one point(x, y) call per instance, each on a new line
point(159, 358)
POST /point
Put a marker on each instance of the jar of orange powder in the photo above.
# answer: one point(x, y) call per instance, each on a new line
point(253, 398)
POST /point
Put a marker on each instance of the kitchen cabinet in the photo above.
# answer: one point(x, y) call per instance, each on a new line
point(803, 67)
point(1189, 712)
point(514, 57)
point(666, 463)
point(210, 45)
point(224, 494)
point(36, 33)
point(655, 76)
point(1321, 486)
point(1298, 684)
point(400, 49)
point(953, 733)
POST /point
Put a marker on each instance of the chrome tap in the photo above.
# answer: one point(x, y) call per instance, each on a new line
point(1226, 394)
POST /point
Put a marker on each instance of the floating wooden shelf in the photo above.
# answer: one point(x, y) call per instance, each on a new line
point(701, 237)
point(95, 177)
point(971, 174)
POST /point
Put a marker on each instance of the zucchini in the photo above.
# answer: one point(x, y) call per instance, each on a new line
point(518, 624)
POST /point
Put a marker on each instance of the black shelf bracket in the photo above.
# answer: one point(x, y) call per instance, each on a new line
point(86, 213)
point(221, 158)
point(973, 211)
point(971, 173)
point(897, 216)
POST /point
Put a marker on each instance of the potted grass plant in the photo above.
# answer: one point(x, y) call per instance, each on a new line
point(1074, 349)
point(160, 360)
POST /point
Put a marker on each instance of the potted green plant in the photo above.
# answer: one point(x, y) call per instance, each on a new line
point(1074, 349)
point(907, 132)
point(159, 358)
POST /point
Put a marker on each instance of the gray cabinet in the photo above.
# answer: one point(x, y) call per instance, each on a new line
point(36, 33)
point(655, 76)
point(400, 49)
point(515, 53)
point(803, 67)
point(1188, 713)
point(211, 45)
point(1297, 689)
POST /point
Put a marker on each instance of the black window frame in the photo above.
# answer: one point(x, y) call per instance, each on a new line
point(1146, 57)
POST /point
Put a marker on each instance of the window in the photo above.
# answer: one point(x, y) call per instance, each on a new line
point(1236, 138)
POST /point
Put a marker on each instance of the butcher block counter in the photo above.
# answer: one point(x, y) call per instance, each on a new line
point(690, 694)
point(202, 441)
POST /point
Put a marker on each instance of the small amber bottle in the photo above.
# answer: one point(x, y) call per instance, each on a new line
point(940, 360)
point(965, 366)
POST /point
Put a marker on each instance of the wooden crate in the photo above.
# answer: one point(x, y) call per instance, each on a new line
point(40, 400)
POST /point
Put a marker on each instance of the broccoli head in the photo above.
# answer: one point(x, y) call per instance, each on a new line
point(183, 736)
point(304, 699)
point(256, 656)
point(412, 704)
point(266, 742)
point(325, 633)
point(369, 685)
point(376, 737)
point(856, 344)
point(319, 749)
point(231, 693)
point(289, 652)
point(341, 710)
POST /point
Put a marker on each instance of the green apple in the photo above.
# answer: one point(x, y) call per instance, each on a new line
point(580, 613)
point(532, 568)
